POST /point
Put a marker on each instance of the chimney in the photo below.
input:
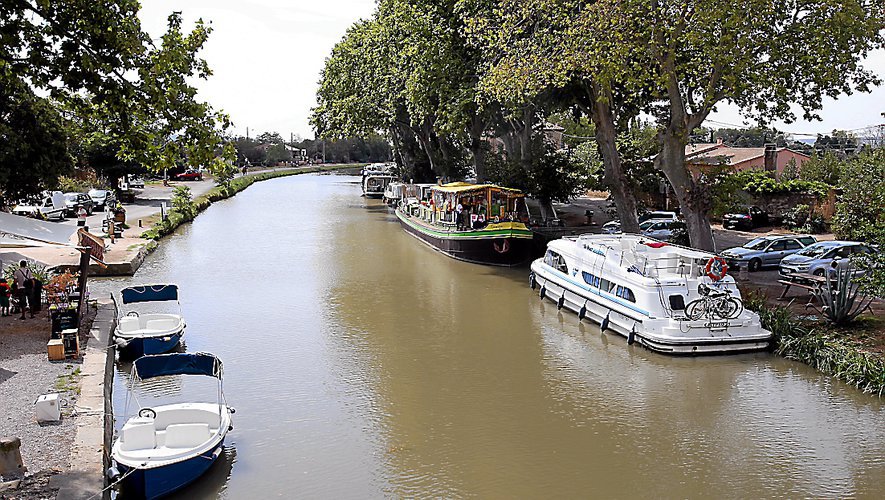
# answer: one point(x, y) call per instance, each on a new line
point(771, 157)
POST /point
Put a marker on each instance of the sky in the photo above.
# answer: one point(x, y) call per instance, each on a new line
point(267, 55)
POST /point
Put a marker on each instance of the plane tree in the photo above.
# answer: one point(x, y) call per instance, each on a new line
point(770, 58)
point(563, 54)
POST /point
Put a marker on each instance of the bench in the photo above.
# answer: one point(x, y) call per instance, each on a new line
point(809, 283)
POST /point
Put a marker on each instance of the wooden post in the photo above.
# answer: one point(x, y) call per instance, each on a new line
point(84, 271)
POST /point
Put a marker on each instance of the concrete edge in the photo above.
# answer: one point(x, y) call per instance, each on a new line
point(94, 413)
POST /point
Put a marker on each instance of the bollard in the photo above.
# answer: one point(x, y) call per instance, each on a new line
point(139, 223)
point(744, 272)
point(11, 458)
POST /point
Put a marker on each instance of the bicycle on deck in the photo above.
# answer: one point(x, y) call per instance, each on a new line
point(714, 304)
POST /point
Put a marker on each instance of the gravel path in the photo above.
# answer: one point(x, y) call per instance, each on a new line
point(25, 374)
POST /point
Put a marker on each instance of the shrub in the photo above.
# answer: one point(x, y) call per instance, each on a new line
point(860, 214)
point(796, 217)
point(181, 202)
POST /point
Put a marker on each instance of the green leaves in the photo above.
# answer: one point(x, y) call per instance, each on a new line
point(116, 89)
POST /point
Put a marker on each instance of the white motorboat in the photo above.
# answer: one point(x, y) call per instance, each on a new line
point(166, 447)
point(394, 193)
point(374, 184)
point(140, 333)
point(668, 298)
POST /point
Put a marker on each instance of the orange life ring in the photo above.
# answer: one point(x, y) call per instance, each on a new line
point(716, 268)
point(503, 248)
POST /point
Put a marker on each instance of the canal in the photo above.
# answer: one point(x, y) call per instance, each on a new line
point(364, 364)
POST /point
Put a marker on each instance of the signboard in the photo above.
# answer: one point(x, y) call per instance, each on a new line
point(94, 245)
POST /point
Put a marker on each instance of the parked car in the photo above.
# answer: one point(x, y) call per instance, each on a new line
point(822, 258)
point(746, 218)
point(102, 197)
point(73, 202)
point(50, 206)
point(136, 183)
point(658, 215)
point(189, 175)
point(766, 251)
point(612, 227)
point(660, 229)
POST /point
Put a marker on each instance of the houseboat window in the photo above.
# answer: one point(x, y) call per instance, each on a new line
point(590, 279)
point(556, 261)
point(606, 285)
point(625, 293)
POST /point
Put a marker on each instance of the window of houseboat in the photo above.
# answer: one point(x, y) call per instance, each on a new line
point(591, 279)
point(625, 293)
point(556, 261)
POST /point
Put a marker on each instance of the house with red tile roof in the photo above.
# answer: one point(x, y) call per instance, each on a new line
point(703, 156)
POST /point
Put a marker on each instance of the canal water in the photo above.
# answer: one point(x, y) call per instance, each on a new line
point(364, 364)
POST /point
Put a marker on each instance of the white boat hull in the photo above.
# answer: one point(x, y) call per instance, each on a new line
point(666, 335)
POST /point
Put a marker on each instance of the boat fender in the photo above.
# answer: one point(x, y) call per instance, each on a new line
point(532, 280)
point(232, 409)
point(604, 325)
point(230, 428)
point(113, 474)
point(543, 291)
point(583, 312)
point(631, 337)
point(561, 301)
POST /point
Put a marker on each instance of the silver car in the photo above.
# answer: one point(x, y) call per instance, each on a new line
point(766, 251)
point(823, 258)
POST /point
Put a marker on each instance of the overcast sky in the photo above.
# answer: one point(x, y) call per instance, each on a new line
point(266, 56)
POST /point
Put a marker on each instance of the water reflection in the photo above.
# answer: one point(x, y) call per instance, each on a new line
point(363, 363)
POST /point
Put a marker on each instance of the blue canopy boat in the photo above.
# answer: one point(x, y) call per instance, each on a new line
point(140, 333)
point(167, 447)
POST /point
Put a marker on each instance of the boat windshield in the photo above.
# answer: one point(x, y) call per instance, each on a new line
point(647, 224)
point(757, 244)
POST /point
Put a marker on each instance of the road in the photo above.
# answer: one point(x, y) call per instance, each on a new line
point(148, 201)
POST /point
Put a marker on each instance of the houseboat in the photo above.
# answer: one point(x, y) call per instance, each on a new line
point(665, 297)
point(374, 184)
point(479, 223)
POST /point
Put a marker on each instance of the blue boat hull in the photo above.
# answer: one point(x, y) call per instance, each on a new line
point(161, 481)
point(146, 346)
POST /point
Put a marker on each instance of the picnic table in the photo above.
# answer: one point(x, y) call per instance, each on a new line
point(806, 282)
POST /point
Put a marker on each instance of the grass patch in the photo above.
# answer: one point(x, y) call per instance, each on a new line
point(68, 382)
point(822, 347)
point(175, 219)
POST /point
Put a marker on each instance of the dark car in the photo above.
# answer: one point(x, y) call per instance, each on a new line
point(73, 202)
point(189, 175)
point(746, 218)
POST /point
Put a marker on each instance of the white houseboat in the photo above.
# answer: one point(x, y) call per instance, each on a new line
point(668, 298)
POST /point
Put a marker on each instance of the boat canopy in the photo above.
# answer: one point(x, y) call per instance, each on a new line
point(149, 293)
point(466, 187)
point(178, 364)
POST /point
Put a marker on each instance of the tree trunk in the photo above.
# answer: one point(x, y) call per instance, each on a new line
point(694, 197)
point(614, 178)
point(478, 148)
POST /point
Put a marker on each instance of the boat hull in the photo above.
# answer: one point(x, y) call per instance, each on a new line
point(664, 335)
point(136, 347)
point(497, 248)
point(157, 482)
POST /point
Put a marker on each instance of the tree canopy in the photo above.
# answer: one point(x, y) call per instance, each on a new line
point(89, 78)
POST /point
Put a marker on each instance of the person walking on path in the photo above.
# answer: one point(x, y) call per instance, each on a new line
point(24, 281)
point(4, 297)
